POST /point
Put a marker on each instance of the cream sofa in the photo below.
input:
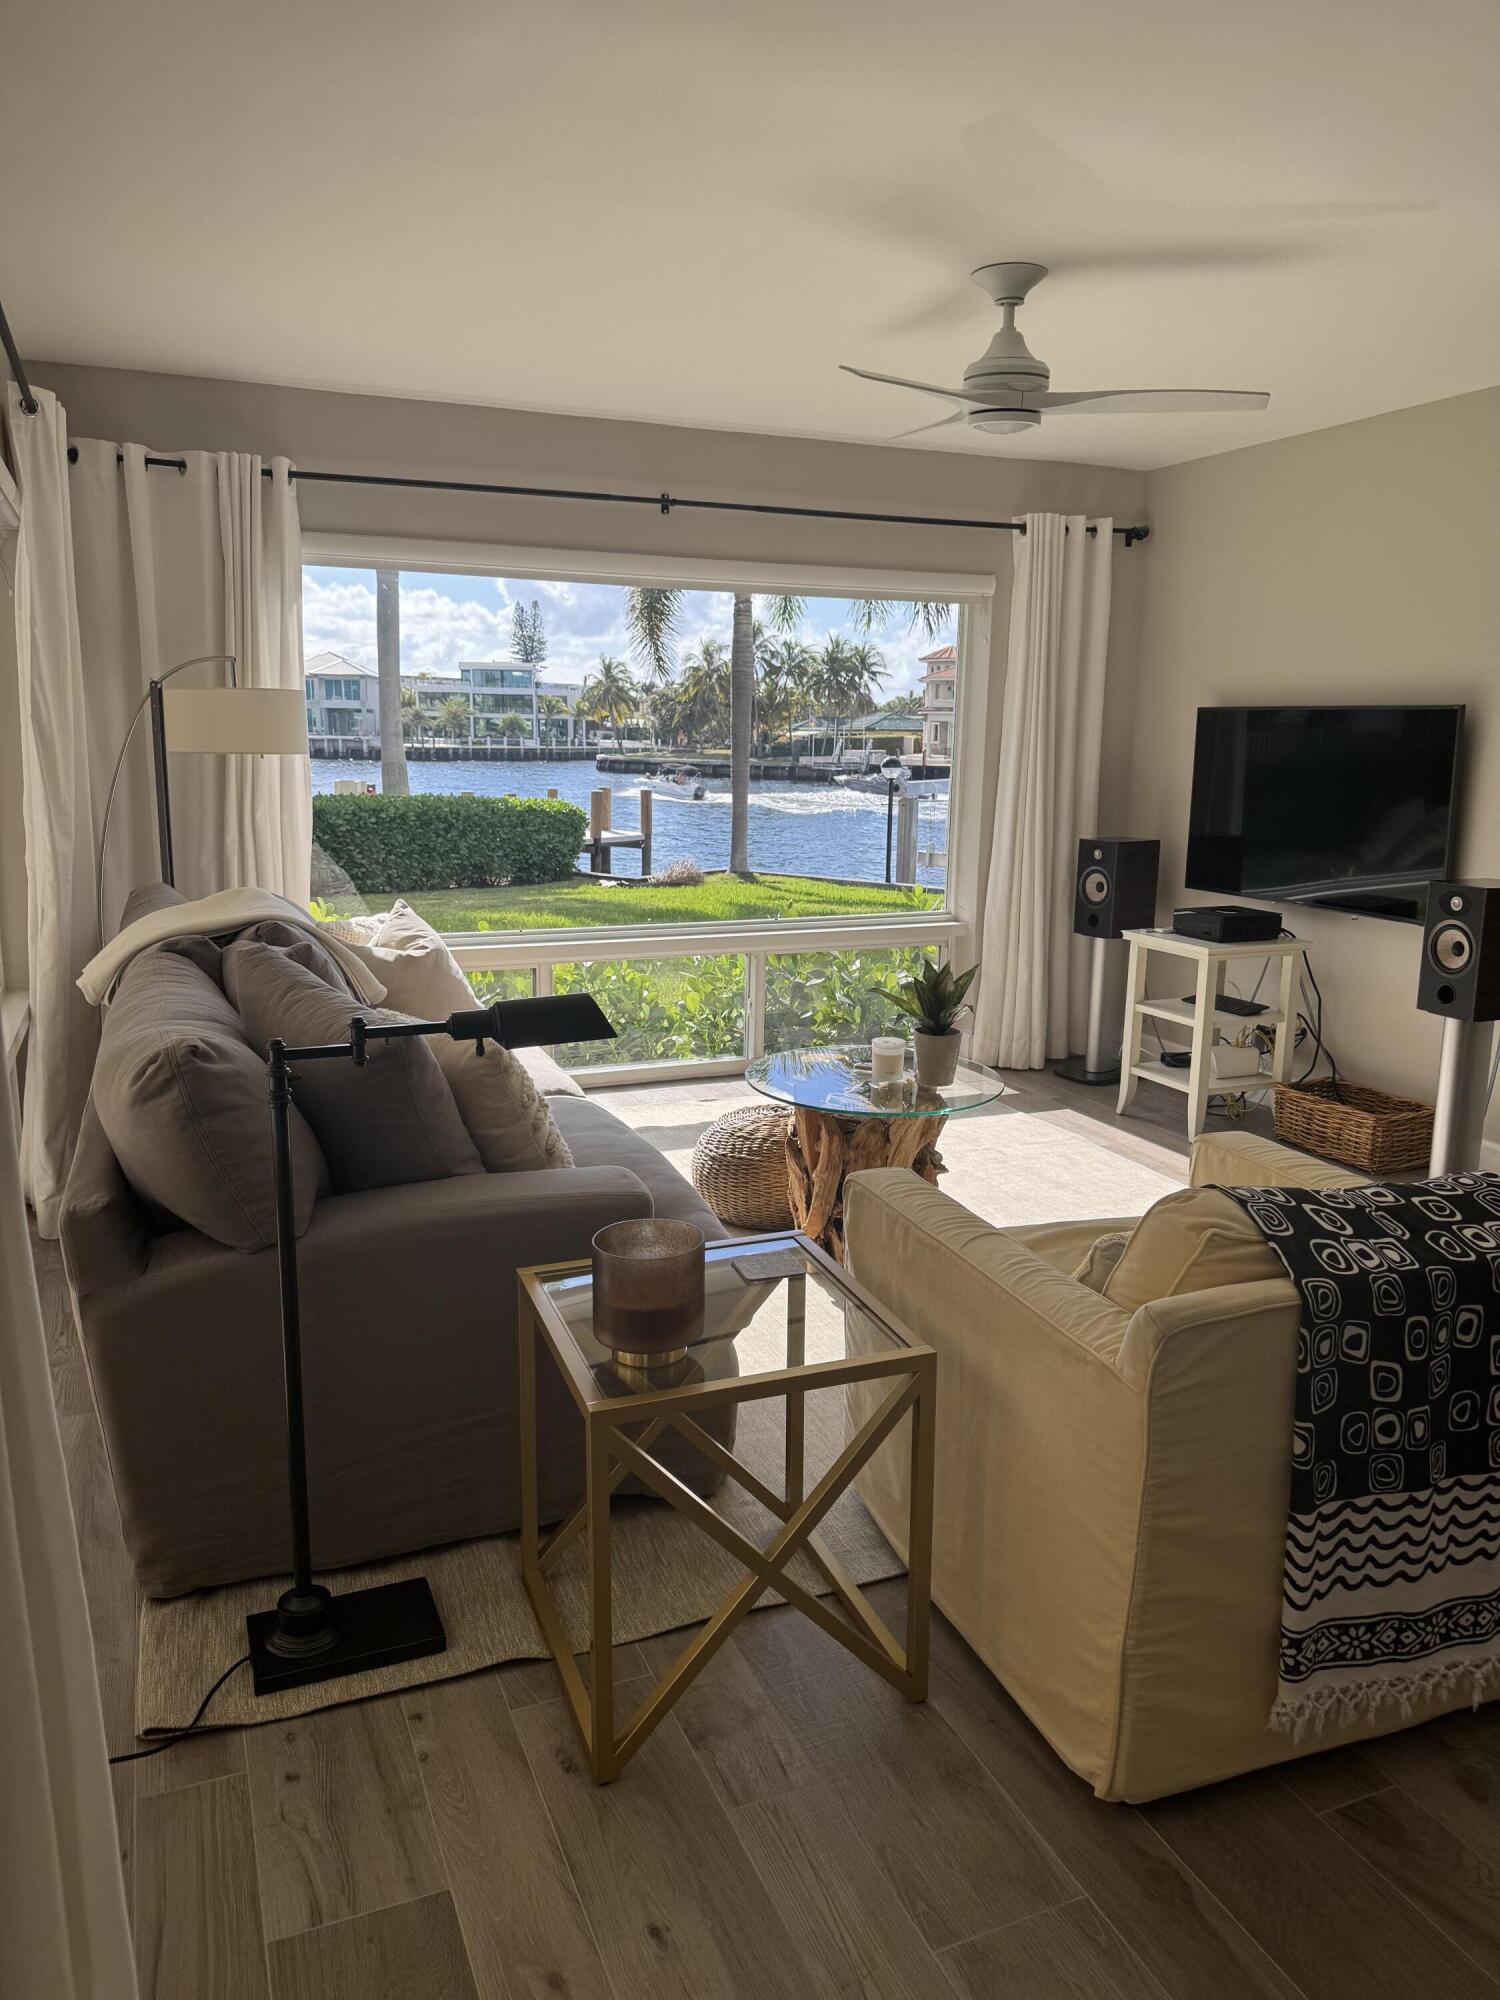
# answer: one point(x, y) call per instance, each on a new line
point(1111, 1484)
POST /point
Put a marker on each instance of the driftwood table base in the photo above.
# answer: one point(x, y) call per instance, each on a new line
point(823, 1149)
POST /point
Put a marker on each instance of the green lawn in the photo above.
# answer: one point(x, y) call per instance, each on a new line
point(718, 899)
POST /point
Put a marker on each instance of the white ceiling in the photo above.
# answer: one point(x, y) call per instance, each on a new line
point(691, 211)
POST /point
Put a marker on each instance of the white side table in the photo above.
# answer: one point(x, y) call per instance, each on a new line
point(1203, 1015)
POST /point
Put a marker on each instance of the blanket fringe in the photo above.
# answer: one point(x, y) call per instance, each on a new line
point(1347, 1703)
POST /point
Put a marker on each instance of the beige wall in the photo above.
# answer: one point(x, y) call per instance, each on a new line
point(1360, 564)
point(344, 433)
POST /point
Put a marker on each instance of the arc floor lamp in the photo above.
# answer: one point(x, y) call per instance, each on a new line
point(219, 721)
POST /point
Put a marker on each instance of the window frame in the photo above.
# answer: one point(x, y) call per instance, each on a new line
point(946, 931)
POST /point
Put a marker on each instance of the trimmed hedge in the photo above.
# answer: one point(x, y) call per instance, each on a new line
point(387, 845)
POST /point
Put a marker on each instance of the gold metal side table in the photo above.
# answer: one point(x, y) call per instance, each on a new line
point(782, 1319)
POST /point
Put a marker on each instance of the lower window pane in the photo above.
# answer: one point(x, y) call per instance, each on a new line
point(519, 984)
point(663, 1009)
point(817, 998)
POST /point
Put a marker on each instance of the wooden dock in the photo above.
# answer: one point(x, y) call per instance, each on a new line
point(604, 837)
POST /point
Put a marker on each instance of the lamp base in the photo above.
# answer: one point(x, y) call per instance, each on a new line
point(1076, 1070)
point(371, 1628)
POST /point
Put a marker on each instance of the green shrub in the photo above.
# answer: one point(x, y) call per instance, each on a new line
point(387, 845)
point(662, 1010)
point(675, 1009)
point(817, 998)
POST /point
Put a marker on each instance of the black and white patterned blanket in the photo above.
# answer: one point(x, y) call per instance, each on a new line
point(1391, 1581)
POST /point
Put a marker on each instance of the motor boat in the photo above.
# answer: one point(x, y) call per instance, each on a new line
point(685, 783)
point(873, 781)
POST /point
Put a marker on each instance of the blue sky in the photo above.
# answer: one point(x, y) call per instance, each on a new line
point(447, 619)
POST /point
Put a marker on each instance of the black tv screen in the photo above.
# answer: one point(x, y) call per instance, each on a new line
point(1349, 808)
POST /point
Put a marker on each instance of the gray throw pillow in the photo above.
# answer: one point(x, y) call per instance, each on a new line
point(181, 1096)
point(386, 1124)
point(304, 947)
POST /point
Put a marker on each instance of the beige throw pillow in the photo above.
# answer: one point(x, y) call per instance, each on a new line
point(506, 1116)
point(501, 1100)
point(181, 1096)
point(1103, 1255)
point(1190, 1242)
point(385, 1124)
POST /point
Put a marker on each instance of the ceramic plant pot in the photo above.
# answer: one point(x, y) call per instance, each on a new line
point(936, 1057)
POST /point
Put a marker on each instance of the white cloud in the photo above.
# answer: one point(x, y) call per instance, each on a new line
point(583, 621)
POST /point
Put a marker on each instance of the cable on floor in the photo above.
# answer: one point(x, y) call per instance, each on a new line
point(155, 1749)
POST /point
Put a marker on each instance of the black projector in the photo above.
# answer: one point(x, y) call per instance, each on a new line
point(1227, 923)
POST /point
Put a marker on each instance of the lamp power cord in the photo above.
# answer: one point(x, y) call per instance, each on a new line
point(193, 1728)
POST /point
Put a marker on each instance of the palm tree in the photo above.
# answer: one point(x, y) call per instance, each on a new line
point(846, 677)
point(653, 617)
point(411, 714)
point(866, 671)
point(610, 695)
point(553, 707)
point(702, 693)
point(456, 717)
point(393, 776)
point(785, 669)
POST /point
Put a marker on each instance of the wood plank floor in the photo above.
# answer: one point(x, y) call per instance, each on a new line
point(793, 1829)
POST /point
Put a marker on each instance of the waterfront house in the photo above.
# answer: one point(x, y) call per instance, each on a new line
point(939, 685)
point(343, 699)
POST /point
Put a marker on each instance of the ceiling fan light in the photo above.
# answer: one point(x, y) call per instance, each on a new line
point(1004, 423)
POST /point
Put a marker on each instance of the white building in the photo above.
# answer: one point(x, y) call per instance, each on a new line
point(939, 690)
point(342, 698)
point(494, 691)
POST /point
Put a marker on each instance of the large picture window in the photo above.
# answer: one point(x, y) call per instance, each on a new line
point(574, 759)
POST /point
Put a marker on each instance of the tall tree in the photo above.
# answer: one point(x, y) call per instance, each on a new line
point(653, 617)
point(609, 694)
point(846, 677)
point(553, 708)
point(700, 695)
point(784, 668)
point(741, 722)
point(528, 635)
point(457, 718)
point(393, 776)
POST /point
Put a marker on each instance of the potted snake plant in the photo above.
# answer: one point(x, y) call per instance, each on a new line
point(934, 998)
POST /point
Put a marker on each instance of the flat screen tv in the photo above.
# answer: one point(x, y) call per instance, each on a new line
point(1348, 808)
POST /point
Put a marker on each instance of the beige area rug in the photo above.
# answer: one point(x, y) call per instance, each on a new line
point(666, 1574)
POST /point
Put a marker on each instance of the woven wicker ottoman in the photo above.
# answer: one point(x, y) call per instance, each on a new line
point(739, 1168)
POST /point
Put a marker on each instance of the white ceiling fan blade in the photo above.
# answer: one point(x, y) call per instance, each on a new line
point(942, 424)
point(1147, 402)
point(900, 382)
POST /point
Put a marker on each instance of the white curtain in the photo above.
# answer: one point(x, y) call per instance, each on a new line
point(63, 1927)
point(1032, 988)
point(123, 572)
point(57, 802)
point(170, 565)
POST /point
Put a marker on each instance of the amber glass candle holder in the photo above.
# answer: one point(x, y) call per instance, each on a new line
point(648, 1290)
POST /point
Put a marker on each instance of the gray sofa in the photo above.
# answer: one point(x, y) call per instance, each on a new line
point(409, 1329)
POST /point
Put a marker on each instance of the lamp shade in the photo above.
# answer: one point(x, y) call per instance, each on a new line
point(236, 720)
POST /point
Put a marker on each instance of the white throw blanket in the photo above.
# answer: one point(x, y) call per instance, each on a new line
point(212, 916)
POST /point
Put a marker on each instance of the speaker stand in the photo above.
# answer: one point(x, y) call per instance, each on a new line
point(1463, 1083)
point(1100, 1061)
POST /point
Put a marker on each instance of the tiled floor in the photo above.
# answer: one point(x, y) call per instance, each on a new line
point(793, 1828)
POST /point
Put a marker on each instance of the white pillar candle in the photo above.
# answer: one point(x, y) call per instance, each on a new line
point(887, 1058)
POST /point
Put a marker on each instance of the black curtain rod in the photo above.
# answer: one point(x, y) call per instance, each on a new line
point(28, 402)
point(664, 502)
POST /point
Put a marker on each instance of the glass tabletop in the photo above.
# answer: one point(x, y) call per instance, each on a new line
point(838, 1081)
point(769, 1304)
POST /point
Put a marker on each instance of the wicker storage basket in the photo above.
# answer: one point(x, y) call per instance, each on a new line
point(739, 1168)
point(1360, 1127)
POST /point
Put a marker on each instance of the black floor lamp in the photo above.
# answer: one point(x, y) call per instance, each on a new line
point(218, 721)
point(310, 1634)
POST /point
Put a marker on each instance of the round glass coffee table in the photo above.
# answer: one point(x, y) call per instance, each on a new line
point(843, 1122)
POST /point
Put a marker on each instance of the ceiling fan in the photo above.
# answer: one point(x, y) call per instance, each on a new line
point(1006, 389)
